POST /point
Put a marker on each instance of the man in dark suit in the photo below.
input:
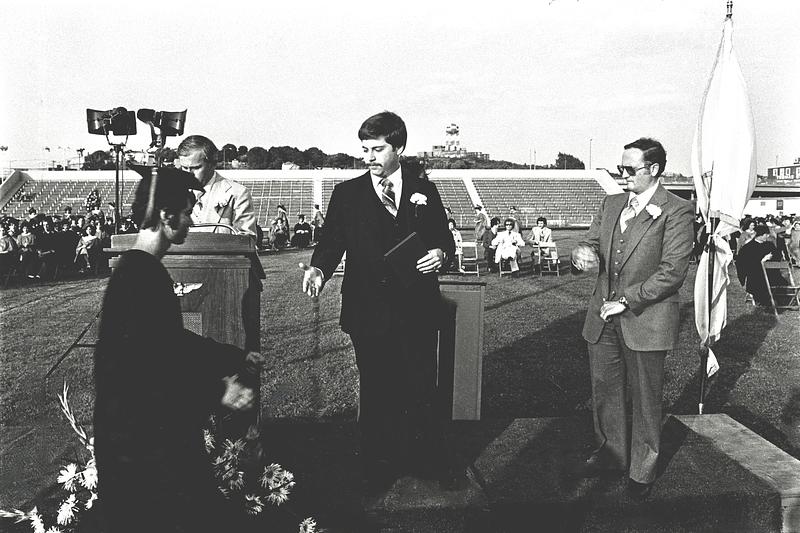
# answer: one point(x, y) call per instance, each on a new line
point(641, 240)
point(393, 325)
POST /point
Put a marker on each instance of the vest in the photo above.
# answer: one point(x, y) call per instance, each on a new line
point(619, 245)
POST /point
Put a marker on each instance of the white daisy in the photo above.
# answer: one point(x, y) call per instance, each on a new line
point(253, 504)
point(279, 495)
point(271, 478)
point(89, 478)
point(309, 525)
point(67, 476)
point(37, 524)
point(66, 512)
point(236, 482)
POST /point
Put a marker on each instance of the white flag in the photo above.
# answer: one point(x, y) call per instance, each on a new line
point(724, 168)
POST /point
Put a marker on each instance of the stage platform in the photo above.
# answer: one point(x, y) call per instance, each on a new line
point(524, 476)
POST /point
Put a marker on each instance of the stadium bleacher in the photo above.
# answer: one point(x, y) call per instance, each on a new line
point(567, 201)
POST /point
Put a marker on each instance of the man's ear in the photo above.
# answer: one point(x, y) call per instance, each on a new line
point(400, 150)
point(654, 169)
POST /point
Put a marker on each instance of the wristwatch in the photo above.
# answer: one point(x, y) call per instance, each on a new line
point(624, 301)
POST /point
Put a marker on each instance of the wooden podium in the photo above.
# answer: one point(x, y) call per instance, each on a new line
point(218, 281)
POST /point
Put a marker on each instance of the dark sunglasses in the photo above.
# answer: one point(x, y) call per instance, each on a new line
point(622, 169)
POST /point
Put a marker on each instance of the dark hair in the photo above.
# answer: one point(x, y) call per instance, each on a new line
point(652, 152)
point(478, 207)
point(301, 216)
point(449, 220)
point(542, 219)
point(495, 221)
point(509, 221)
point(194, 143)
point(385, 124)
point(172, 193)
point(761, 229)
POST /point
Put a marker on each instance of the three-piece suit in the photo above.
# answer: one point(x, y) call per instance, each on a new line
point(393, 327)
point(646, 264)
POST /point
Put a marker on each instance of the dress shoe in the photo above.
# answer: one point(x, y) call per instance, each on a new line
point(639, 491)
point(596, 465)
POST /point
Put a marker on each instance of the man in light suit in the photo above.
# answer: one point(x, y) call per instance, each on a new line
point(393, 326)
point(222, 201)
point(641, 241)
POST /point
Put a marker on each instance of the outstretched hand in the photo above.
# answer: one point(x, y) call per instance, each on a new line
point(312, 280)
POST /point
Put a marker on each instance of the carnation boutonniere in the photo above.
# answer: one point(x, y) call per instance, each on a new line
point(222, 205)
point(418, 199)
point(653, 210)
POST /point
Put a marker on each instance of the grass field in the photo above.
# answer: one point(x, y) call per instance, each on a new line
point(535, 362)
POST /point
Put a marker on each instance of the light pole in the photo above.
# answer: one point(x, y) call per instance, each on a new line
point(590, 153)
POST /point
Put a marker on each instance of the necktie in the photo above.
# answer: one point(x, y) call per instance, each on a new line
point(628, 213)
point(387, 196)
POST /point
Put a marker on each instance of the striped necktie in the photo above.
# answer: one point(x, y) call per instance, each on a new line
point(628, 213)
point(387, 196)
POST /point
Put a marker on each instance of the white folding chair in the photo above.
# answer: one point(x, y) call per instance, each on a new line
point(548, 259)
point(469, 259)
point(782, 295)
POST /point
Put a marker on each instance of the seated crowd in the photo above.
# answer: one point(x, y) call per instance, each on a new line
point(770, 238)
point(41, 246)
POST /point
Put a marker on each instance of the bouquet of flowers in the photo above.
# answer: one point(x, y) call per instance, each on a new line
point(79, 479)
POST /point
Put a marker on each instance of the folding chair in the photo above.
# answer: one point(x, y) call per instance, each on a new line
point(549, 262)
point(469, 259)
point(787, 295)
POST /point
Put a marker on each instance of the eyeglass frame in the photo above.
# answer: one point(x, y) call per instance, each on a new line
point(623, 169)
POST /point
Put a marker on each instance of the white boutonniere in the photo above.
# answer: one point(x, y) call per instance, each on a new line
point(222, 205)
point(419, 199)
point(653, 210)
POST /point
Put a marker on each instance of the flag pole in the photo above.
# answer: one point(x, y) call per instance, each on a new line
point(711, 248)
point(711, 225)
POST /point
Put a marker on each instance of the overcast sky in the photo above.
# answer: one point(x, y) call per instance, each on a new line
point(517, 77)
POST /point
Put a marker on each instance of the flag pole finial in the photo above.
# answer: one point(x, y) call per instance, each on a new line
point(730, 9)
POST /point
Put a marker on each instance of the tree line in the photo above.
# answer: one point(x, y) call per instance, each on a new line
point(259, 158)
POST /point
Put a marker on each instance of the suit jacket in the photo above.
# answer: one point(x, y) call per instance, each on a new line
point(653, 268)
point(225, 202)
point(357, 223)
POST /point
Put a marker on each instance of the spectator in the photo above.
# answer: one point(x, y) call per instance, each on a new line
point(513, 216)
point(507, 245)
point(487, 242)
point(278, 234)
point(318, 222)
point(302, 232)
point(794, 241)
point(28, 251)
point(748, 266)
point(782, 234)
point(748, 232)
point(47, 241)
point(482, 223)
point(86, 250)
point(457, 263)
point(540, 234)
point(9, 251)
point(92, 201)
point(67, 213)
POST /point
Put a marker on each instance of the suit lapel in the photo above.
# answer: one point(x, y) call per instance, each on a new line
point(404, 208)
point(642, 222)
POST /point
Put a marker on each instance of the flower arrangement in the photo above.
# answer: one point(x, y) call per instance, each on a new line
point(419, 199)
point(79, 479)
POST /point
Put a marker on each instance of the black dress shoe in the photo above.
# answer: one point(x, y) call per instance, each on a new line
point(596, 465)
point(639, 491)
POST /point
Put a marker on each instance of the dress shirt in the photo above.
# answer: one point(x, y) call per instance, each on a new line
point(643, 199)
point(396, 178)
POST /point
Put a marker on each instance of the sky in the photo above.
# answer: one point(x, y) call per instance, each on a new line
point(522, 80)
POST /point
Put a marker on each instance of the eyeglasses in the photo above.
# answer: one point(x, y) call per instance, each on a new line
point(629, 169)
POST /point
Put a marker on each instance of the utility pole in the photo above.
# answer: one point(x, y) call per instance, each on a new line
point(590, 153)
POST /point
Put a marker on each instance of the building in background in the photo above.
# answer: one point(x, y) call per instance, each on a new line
point(452, 148)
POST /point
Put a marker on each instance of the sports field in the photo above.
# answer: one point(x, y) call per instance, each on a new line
point(534, 358)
